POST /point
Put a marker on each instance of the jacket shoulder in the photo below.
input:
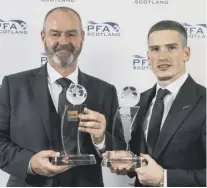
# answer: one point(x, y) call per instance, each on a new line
point(23, 74)
point(201, 89)
point(97, 81)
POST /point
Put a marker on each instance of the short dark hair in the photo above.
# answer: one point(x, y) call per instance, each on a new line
point(170, 25)
point(63, 9)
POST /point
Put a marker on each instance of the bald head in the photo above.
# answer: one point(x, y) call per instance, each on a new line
point(54, 13)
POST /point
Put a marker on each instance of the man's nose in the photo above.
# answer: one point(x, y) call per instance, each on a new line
point(64, 39)
point(163, 54)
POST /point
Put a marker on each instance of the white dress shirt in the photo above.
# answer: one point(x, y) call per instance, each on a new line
point(168, 101)
point(55, 90)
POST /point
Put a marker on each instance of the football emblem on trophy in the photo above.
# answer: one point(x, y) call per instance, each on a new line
point(76, 94)
point(129, 96)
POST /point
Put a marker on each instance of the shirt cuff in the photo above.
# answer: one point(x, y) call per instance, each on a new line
point(165, 178)
point(29, 169)
point(101, 146)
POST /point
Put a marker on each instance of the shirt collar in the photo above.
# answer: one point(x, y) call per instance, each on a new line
point(53, 75)
point(175, 86)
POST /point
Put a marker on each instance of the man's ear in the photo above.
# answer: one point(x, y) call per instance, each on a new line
point(148, 57)
point(186, 53)
point(83, 35)
point(42, 36)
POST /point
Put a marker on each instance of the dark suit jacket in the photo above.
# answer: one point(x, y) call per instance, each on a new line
point(181, 146)
point(25, 126)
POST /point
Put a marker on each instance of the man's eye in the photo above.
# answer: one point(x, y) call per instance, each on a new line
point(71, 34)
point(155, 49)
point(54, 35)
point(171, 47)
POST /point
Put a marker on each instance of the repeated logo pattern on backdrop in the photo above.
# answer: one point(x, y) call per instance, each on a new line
point(57, 1)
point(115, 46)
point(43, 58)
point(140, 63)
point(13, 27)
point(103, 29)
point(152, 2)
point(198, 31)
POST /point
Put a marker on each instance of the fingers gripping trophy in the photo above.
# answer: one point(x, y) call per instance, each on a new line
point(125, 120)
point(70, 153)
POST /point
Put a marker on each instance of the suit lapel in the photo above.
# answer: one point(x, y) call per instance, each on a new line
point(39, 85)
point(181, 107)
point(145, 101)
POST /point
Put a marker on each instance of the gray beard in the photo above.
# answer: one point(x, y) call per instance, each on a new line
point(65, 60)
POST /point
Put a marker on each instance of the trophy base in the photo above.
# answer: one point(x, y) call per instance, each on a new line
point(74, 160)
point(132, 162)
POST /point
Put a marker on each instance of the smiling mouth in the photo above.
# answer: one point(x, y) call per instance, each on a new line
point(163, 67)
point(63, 51)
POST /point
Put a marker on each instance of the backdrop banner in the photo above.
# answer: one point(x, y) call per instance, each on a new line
point(115, 48)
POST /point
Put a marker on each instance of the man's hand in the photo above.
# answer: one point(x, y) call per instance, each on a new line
point(120, 161)
point(93, 123)
point(150, 174)
point(41, 165)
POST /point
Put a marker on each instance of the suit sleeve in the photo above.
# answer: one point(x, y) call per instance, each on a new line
point(189, 178)
point(110, 109)
point(13, 159)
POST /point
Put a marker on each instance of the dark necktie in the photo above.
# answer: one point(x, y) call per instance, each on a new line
point(65, 83)
point(70, 129)
point(155, 120)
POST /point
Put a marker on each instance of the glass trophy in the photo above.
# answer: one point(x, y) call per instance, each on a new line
point(125, 120)
point(70, 135)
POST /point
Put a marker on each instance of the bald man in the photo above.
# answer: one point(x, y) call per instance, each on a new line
point(29, 111)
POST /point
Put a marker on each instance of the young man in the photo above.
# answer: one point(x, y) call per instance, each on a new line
point(171, 125)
